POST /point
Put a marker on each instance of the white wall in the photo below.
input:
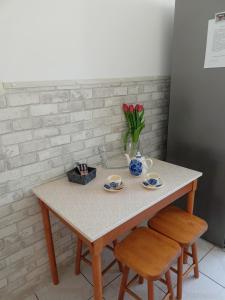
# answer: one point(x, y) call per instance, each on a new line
point(75, 39)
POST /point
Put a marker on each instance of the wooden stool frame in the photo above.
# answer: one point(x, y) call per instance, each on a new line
point(124, 287)
point(83, 257)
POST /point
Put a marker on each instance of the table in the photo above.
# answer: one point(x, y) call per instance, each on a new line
point(99, 217)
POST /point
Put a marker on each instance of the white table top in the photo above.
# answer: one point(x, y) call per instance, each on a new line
point(93, 212)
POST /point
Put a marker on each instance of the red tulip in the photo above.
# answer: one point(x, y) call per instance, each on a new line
point(125, 107)
point(139, 107)
point(131, 108)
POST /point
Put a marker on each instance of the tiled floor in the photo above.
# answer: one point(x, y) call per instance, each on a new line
point(210, 285)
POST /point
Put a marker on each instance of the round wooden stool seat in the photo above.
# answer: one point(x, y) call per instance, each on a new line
point(147, 252)
point(178, 225)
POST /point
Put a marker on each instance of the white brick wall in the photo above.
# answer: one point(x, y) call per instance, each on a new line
point(43, 131)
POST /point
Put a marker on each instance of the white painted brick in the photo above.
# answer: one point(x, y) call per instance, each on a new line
point(79, 136)
point(144, 98)
point(21, 160)
point(11, 197)
point(43, 109)
point(5, 211)
point(54, 96)
point(114, 101)
point(60, 140)
point(133, 90)
point(13, 113)
point(22, 99)
point(94, 142)
point(23, 124)
point(50, 153)
point(54, 120)
point(53, 173)
point(29, 221)
point(26, 232)
point(102, 131)
point(94, 103)
point(16, 137)
point(75, 95)
point(10, 175)
point(158, 96)
point(102, 112)
point(5, 127)
point(151, 87)
point(73, 147)
point(35, 168)
point(71, 106)
point(2, 101)
point(81, 116)
point(34, 145)
point(10, 151)
point(114, 120)
point(82, 135)
point(24, 203)
point(91, 124)
point(86, 93)
point(120, 91)
point(3, 283)
point(26, 252)
point(113, 137)
point(45, 132)
point(37, 272)
point(71, 128)
point(2, 165)
point(7, 231)
point(103, 92)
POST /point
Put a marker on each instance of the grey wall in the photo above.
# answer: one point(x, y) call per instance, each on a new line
point(197, 111)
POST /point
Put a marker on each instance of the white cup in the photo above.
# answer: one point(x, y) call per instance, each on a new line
point(154, 176)
point(114, 180)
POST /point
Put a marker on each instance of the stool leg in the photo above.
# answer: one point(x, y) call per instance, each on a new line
point(195, 259)
point(150, 290)
point(123, 283)
point(185, 259)
point(140, 280)
point(180, 275)
point(169, 284)
point(78, 256)
point(119, 263)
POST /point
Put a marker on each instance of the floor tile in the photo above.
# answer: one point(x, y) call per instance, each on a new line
point(203, 247)
point(111, 274)
point(213, 265)
point(163, 287)
point(111, 291)
point(31, 297)
point(202, 289)
point(71, 287)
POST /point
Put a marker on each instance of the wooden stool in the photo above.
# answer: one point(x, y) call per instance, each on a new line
point(83, 256)
point(150, 255)
point(185, 229)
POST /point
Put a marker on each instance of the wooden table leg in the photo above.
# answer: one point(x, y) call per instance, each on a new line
point(190, 209)
point(49, 241)
point(97, 274)
point(191, 198)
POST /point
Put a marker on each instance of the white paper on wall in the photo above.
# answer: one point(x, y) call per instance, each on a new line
point(215, 47)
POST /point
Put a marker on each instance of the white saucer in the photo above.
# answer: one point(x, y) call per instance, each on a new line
point(153, 187)
point(113, 190)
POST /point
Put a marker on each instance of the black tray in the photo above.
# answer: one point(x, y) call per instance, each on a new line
point(74, 176)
